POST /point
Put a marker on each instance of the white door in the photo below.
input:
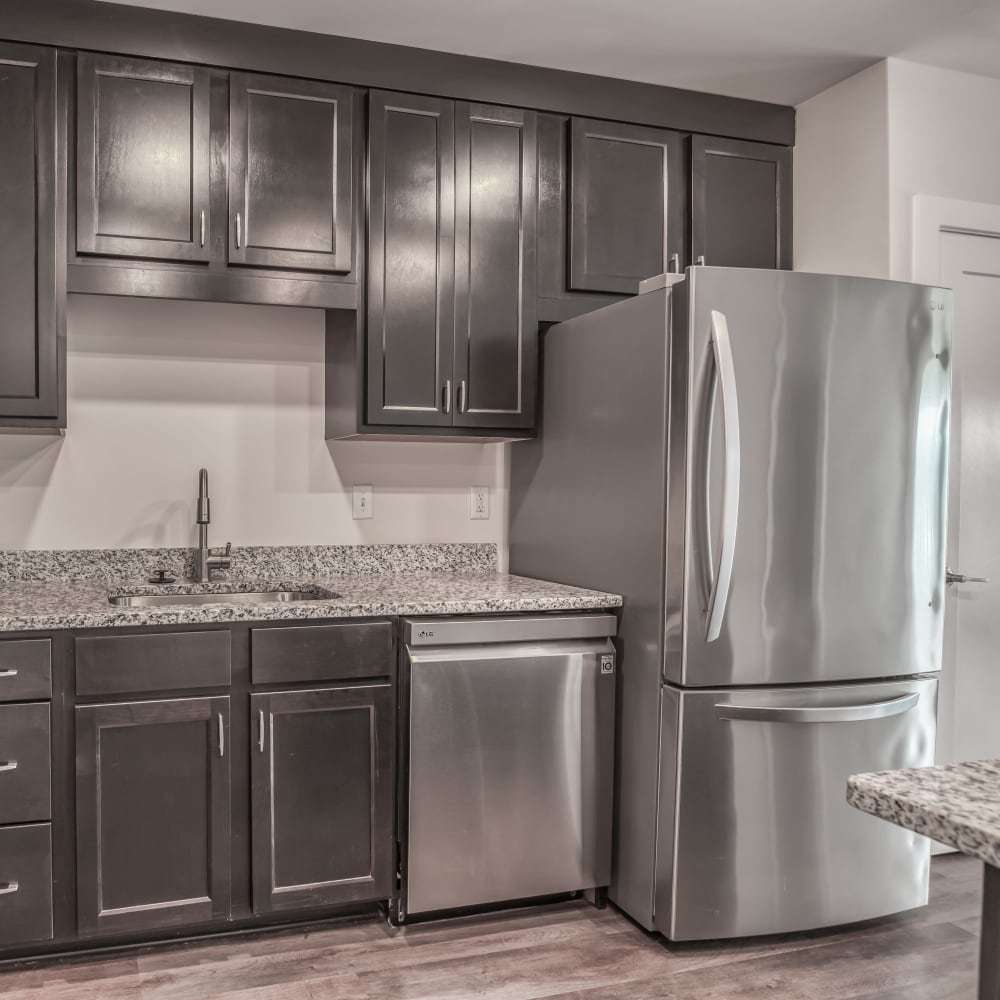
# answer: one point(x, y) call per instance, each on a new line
point(970, 681)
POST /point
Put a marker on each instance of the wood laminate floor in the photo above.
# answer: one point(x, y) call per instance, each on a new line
point(561, 952)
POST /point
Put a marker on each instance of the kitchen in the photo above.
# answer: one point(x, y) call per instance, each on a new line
point(368, 466)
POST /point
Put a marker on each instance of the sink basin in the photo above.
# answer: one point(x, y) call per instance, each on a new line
point(260, 597)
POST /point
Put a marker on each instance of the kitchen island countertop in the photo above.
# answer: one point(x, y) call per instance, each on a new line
point(955, 804)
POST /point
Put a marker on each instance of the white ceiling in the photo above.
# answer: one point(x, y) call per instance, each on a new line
point(782, 51)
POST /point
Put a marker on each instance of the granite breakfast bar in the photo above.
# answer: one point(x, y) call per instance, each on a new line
point(957, 805)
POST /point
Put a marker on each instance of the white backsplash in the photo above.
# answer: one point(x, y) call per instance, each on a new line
point(158, 389)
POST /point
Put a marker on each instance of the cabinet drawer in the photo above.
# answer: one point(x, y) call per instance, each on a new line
point(25, 884)
point(320, 653)
point(133, 664)
point(24, 763)
point(25, 669)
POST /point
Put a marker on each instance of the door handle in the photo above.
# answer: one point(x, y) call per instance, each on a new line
point(952, 577)
point(818, 713)
point(239, 230)
point(10, 672)
point(222, 737)
point(203, 227)
point(260, 732)
point(6, 888)
point(462, 397)
point(8, 765)
point(447, 396)
point(719, 571)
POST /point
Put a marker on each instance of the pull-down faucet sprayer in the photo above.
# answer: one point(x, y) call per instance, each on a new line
point(207, 559)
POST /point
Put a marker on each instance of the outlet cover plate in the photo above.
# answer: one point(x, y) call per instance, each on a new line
point(479, 503)
point(363, 503)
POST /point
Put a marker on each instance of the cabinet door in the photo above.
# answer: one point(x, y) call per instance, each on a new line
point(322, 797)
point(496, 330)
point(152, 814)
point(741, 203)
point(290, 174)
point(411, 254)
point(628, 191)
point(32, 344)
point(142, 169)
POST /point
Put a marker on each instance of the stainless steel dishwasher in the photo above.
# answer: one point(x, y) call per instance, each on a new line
point(508, 759)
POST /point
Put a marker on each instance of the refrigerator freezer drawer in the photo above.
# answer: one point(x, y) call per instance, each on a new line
point(510, 769)
point(755, 833)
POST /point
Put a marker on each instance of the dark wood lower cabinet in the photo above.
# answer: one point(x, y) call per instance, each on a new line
point(321, 770)
point(153, 823)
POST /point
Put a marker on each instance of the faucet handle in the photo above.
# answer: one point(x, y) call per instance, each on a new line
point(223, 553)
point(229, 549)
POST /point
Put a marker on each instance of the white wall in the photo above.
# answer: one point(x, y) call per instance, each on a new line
point(865, 147)
point(841, 178)
point(158, 389)
point(944, 140)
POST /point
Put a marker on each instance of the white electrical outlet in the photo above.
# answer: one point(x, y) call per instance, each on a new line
point(363, 503)
point(479, 503)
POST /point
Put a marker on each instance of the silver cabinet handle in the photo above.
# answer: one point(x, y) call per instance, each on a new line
point(819, 713)
point(10, 672)
point(8, 765)
point(700, 260)
point(462, 397)
point(203, 227)
point(722, 572)
point(447, 396)
point(6, 888)
point(239, 231)
point(675, 264)
point(260, 734)
point(222, 737)
point(952, 577)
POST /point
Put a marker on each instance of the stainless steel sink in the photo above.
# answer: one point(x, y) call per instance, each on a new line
point(260, 597)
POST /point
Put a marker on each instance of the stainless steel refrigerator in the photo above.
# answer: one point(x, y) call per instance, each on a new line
point(757, 460)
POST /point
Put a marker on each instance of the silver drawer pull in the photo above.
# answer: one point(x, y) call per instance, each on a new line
point(818, 713)
point(8, 673)
point(222, 737)
point(6, 888)
point(260, 735)
point(8, 765)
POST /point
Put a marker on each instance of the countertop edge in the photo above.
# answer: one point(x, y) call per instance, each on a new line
point(913, 812)
point(219, 614)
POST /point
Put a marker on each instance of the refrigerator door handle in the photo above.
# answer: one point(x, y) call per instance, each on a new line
point(818, 713)
point(721, 578)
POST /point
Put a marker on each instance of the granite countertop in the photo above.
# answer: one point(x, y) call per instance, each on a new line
point(955, 804)
point(71, 589)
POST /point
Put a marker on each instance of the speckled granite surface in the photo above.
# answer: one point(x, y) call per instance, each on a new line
point(955, 804)
point(115, 565)
point(370, 581)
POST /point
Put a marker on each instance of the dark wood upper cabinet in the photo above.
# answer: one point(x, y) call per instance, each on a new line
point(142, 169)
point(153, 814)
point(741, 203)
point(496, 197)
point(628, 201)
point(32, 275)
point(291, 198)
point(411, 252)
point(322, 797)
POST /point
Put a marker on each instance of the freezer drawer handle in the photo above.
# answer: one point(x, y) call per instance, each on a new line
point(818, 713)
point(719, 368)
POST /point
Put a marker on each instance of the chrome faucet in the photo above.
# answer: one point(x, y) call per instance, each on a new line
point(207, 560)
